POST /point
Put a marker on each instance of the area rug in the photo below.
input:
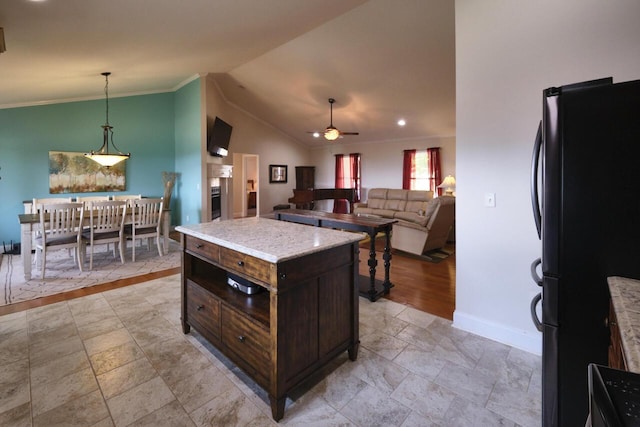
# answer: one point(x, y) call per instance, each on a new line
point(62, 274)
point(435, 256)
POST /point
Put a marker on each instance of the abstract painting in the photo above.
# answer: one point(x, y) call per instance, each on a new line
point(71, 172)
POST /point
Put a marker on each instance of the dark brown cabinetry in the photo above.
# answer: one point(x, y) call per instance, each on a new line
point(305, 177)
point(616, 354)
point(305, 181)
point(306, 317)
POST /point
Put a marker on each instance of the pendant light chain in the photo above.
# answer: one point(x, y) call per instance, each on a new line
point(103, 156)
point(106, 94)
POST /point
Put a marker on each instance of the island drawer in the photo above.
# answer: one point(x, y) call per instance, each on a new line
point(253, 267)
point(247, 340)
point(203, 309)
point(203, 248)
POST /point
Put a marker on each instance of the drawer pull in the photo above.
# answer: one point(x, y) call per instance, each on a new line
point(241, 338)
point(283, 276)
point(200, 307)
point(241, 263)
point(199, 245)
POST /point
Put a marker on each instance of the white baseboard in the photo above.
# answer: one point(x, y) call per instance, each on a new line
point(517, 338)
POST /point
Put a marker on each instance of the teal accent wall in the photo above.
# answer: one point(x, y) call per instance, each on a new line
point(143, 125)
point(188, 162)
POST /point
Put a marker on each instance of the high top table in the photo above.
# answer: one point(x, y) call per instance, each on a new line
point(370, 224)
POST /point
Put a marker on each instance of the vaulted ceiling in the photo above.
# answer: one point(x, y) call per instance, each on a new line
point(280, 60)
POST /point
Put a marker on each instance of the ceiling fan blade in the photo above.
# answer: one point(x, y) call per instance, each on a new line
point(331, 133)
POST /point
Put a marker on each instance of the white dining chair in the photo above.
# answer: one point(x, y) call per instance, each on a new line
point(146, 218)
point(106, 225)
point(36, 203)
point(126, 197)
point(61, 228)
point(87, 199)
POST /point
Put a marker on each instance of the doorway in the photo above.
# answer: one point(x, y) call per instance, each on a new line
point(246, 186)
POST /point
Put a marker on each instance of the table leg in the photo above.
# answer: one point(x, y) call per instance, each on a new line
point(387, 263)
point(166, 223)
point(372, 266)
point(25, 249)
point(277, 407)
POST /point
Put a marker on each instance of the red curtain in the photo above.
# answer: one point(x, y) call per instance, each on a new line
point(347, 178)
point(408, 168)
point(354, 162)
point(435, 172)
point(340, 206)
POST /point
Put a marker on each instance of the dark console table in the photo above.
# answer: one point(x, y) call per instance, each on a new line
point(370, 287)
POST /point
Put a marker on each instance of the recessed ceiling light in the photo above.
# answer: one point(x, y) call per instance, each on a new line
point(401, 122)
point(316, 134)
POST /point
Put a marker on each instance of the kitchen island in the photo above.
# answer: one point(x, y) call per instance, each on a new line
point(306, 315)
point(624, 322)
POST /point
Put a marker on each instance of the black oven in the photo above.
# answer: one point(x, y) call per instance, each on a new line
point(215, 203)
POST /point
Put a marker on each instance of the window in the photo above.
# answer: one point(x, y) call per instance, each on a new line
point(421, 170)
point(421, 174)
point(347, 176)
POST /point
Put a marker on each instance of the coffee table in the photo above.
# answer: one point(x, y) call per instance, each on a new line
point(370, 287)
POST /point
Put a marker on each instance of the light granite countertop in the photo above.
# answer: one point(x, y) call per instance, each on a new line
point(625, 296)
point(269, 239)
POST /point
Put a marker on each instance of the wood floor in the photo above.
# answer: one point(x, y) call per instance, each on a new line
point(421, 284)
point(424, 285)
point(65, 296)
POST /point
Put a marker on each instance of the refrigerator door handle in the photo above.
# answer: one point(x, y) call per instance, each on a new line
point(534, 315)
point(535, 199)
point(534, 273)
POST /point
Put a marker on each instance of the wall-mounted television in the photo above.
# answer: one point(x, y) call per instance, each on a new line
point(218, 136)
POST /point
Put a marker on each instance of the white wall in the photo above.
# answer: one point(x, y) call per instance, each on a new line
point(507, 52)
point(381, 162)
point(253, 136)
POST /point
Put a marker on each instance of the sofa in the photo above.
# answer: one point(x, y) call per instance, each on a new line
point(424, 222)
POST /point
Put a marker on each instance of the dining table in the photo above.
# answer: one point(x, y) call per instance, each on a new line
point(30, 221)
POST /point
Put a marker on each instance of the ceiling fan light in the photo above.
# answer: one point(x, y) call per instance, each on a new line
point(331, 134)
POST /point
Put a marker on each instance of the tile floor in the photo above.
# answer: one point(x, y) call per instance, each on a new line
point(119, 358)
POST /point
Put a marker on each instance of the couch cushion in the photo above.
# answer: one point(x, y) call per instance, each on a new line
point(416, 206)
point(377, 193)
point(396, 199)
point(432, 205)
point(395, 205)
point(376, 203)
point(363, 210)
point(385, 213)
point(412, 217)
point(397, 194)
point(421, 195)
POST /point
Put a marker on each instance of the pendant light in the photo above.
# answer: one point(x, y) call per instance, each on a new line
point(103, 156)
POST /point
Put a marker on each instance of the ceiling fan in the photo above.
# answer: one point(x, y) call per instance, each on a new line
point(331, 133)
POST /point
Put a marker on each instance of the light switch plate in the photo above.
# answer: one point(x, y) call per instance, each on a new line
point(490, 200)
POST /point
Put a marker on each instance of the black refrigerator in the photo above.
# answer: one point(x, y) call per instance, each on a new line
point(585, 183)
